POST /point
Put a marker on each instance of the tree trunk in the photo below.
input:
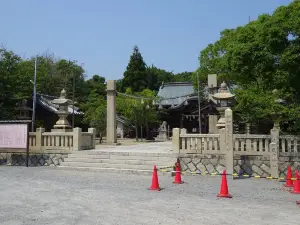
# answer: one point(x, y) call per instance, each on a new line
point(100, 135)
point(141, 133)
point(147, 130)
point(136, 133)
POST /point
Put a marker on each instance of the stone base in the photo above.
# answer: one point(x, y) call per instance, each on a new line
point(162, 136)
point(19, 159)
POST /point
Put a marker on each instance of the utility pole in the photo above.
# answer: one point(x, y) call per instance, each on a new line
point(34, 96)
point(73, 99)
point(199, 106)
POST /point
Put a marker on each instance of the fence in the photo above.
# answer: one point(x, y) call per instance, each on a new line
point(49, 148)
point(262, 155)
point(41, 141)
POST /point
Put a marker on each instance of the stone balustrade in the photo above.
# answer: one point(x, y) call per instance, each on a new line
point(41, 141)
point(263, 155)
point(49, 148)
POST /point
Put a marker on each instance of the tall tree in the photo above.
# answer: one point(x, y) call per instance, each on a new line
point(138, 111)
point(260, 57)
point(9, 74)
point(95, 105)
point(183, 77)
point(135, 76)
point(156, 76)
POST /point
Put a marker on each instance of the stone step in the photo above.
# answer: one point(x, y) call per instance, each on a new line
point(124, 153)
point(107, 165)
point(123, 157)
point(112, 170)
point(121, 161)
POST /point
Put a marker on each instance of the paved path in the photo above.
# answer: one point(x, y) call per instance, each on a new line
point(150, 147)
point(35, 196)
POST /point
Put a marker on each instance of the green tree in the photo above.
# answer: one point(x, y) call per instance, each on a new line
point(260, 57)
point(138, 111)
point(95, 105)
point(9, 73)
point(183, 77)
point(135, 76)
point(156, 76)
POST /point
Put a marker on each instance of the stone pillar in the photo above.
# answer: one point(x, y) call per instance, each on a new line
point(38, 138)
point(176, 140)
point(222, 140)
point(77, 136)
point(93, 132)
point(212, 124)
point(229, 140)
point(274, 156)
point(111, 127)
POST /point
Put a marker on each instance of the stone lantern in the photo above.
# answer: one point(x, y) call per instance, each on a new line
point(224, 101)
point(24, 110)
point(62, 124)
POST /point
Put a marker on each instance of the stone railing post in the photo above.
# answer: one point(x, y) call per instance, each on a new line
point(229, 140)
point(274, 154)
point(93, 132)
point(38, 138)
point(222, 140)
point(176, 139)
point(77, 136)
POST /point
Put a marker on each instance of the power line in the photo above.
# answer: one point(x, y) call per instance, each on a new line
point(154, 98)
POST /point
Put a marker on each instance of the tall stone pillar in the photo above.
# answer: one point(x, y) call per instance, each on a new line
point(274, 156)
point(111, 126)
point(229, 141)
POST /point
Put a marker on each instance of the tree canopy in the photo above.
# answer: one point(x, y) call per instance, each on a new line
point(258, 58)
point(135, 75)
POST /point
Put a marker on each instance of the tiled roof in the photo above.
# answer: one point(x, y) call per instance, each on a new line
point(173, 92)
point(45, 101)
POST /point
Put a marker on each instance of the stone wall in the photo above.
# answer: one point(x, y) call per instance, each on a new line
point(202, 163)
point(250, 165)
point(286, 159)
point(42, 159)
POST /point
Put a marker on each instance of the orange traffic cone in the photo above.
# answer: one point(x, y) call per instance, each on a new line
point(224, 187)
point(296, 189)
point(289, 182)
point(155, 184)
point(177, 179)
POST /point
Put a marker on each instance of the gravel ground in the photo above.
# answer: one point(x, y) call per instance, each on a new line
point(51, 196)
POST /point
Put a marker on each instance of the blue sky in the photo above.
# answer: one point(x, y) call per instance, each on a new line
point(101, 34)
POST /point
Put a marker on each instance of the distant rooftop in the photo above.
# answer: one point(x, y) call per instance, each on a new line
point(173, 93)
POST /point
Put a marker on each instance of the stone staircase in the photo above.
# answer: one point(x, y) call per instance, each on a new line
point(118, 161)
